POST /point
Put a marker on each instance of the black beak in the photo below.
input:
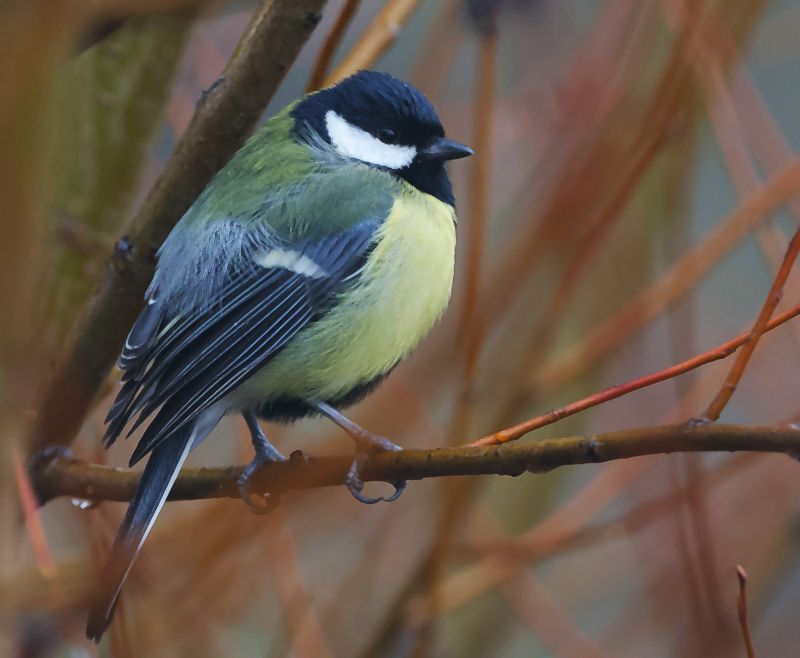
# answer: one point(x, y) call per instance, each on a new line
point(445, 149)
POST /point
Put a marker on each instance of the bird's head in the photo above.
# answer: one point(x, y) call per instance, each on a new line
point(383, 122)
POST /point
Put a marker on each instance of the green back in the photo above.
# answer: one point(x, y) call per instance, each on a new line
point(299, 190)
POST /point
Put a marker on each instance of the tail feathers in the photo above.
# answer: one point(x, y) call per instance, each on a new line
point(157, 479)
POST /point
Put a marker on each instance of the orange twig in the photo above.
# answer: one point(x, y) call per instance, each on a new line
point(762, 323)
point(720, 352)
point(530, 548)
point(437, 52)
point(457, 495)
point(680, 278)
point(375, 40)
point(730, 135)
point(30, 506)
point(307, 637)
point(564, 530)
point(331, 43)
point(742, 171)
point(577, 148)
point(471, 325)
point(549, 535)
point(30, 509)
point(552, 625)
point(595, 238)
point(741, 608)
point(501, 562)
point(478, 194)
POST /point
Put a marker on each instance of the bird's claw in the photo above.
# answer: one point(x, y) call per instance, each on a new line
point(354, 482)
point(259, 503)
point(51, 453)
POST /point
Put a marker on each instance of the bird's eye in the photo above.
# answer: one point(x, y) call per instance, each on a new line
point(388, 136)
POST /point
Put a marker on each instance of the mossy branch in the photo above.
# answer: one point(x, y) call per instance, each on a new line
point(61, 476)
point(222, 121)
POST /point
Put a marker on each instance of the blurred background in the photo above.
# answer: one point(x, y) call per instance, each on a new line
point(626, 209)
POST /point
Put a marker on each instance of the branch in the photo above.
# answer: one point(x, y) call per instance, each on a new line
point(60, 476)
point(613, 392)
point(331, 43)
point(682, 276)
point(222, 121)
point(375, 40)
point(724, 394)
point(741, 609)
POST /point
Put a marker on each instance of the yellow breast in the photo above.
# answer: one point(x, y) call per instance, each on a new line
point(403, 291)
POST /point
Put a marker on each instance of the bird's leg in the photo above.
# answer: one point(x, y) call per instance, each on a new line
point(367, 443)
point(265, 454)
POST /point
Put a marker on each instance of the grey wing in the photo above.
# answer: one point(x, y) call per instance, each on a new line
point(179, 365)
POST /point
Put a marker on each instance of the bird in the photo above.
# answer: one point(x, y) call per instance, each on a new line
point(313, 263)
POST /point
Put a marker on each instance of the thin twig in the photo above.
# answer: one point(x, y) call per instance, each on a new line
point(331, 43)
point(479, 193)
point(571, 518)
point(742, 171)
point(741, 608)
point(437, 51)
point(559, 533)
point(650, 129)
point(745, 177)
point(547, 620)
point(223, 119)
point(61, 476)
point(81, 239)
point(307, 639)
point(759, 328)
point(36, 534)
point(375, 39)
point(674, 283)
point(456, 496)
point(719, 352)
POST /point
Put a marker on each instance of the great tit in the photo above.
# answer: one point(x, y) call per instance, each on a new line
point(308, 268)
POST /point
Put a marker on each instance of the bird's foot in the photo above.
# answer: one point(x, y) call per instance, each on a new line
point(49, 454)
point(368, 444)
point(258, 502)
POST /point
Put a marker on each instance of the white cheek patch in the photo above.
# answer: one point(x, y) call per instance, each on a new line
point(355, 143)
point(293, 261)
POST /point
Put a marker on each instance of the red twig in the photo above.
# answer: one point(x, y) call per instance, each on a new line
point(479, 194)
point(30, 509)
point(681, 277)
point(331, 43)
point(547, 620)
point(471, 325)
point(741, 607)
point(375, 40)
point(720, 352)
point(759, 328)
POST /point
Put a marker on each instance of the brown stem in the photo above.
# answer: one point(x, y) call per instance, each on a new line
point(375, 40)
point(223, 119)
point(741, 608)
point(331, 43)
point(674, 283)
point(719, 352)
point(724, 394)
point(62, 476)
